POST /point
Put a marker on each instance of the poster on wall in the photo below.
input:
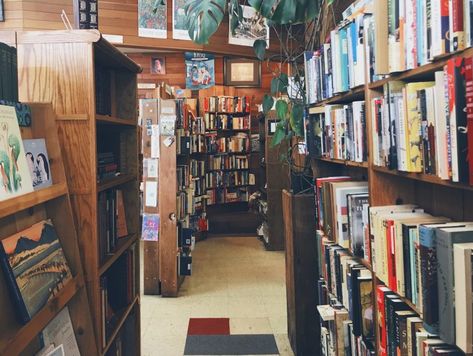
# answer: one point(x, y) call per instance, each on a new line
point(179, 27)
point(152, 24)
point(2, 15)
point(252, 27)
point(200, 70)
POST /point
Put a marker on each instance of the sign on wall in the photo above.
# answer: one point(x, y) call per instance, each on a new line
point(200, 70)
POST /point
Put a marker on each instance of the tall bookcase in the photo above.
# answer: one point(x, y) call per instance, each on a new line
point(391, 186)
point(21, 212)
point(92, 87)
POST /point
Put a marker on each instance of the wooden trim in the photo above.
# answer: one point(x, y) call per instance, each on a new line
point(123, 245)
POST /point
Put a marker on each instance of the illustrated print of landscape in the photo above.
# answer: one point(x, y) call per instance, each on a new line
point(38, 264)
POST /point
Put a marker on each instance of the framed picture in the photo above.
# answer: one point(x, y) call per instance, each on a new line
point(158, 65)
point(240, 72)
point(2, 14)
point(252, 27)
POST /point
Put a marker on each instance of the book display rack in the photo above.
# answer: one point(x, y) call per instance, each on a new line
point(93, 95)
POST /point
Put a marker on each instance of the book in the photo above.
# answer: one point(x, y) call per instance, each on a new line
point(35, 267)
point(60, 331)
point(463, 278)
point(355, 205)
point(15, 178)
point(38, 163)
point(150, 227)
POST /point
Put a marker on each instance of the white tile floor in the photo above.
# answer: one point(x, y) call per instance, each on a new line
point(232, 277)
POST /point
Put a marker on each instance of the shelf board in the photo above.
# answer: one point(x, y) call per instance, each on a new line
point(236, 113)
point(343, 162)
point(26, 201)
point(354, 94)
point(114, 182)
point(426, 178)
point(226, 130)
point(105, 119)
point(229, 170)
point(120, 324)
point(15, 344)
point(123, 245)
point(426, 69)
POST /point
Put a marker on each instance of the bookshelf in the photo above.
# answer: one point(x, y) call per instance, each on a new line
point(387, 186)
point(21, 212)
point(92, 88)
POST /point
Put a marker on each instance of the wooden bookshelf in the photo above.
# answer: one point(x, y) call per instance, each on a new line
point(23, 211)
point(94, 96)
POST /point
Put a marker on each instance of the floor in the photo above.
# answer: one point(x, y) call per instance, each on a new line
point(233, 277)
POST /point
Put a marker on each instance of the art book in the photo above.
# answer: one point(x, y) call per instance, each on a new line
point(15, 178)
point(38, 163)
point(60, 332)
point(34, 266)
point(150, 229)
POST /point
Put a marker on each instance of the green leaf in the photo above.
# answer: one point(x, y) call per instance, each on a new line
point(281, 109)
point(236, 14)
point(279, 84)
point(297, 119)
point(284, 12)
point(203, 17)
point(260, 49)
point(268, 102)
point(279, 135)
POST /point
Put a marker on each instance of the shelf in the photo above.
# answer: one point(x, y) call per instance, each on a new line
point(237, 113)
point(343, 162)
point(226, 203)
point(123, 245)
point(114, 182)
point(231, 186)
point(226, 130)
point(421, 71)
point(15, 344)
point(119, 325)
point(105, 119)
point(244, 153)
point(357, 93)
point(426, 178)
point(229, 170)
point(26, 201)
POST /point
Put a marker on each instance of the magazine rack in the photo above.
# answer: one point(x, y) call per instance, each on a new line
point(21, 212)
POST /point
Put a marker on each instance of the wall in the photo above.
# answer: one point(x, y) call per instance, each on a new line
point(175, 74)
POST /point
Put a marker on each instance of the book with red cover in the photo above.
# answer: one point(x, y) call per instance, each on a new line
point(381, 293)
point(457, 34)
point(469, 113)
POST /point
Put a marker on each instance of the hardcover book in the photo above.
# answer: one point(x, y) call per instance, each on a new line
point(38, 163)
point(35, 267)
point(15, 178)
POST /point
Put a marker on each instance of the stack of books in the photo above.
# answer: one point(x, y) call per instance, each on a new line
point(107, 166)
point(227, 104)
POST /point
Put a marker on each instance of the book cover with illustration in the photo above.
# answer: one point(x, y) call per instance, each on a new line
point(35, 267)
point(38, 162)
point(14, 175)
point(150, 228)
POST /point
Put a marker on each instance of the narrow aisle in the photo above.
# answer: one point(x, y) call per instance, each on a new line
point(233, 277)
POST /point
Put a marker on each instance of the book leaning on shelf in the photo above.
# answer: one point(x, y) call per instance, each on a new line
point(35, 268)
point(426, 127)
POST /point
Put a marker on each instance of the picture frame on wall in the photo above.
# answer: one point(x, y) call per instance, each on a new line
point(158, 65)
point(2, 13)
point(242, 72)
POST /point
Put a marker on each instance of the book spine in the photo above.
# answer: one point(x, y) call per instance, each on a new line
point(407, 266)
point(453, 153)
point(381, 321)
point(469, 112)
point(428, 258)
point(391, 254)
point(461, 120)
point(457, 31)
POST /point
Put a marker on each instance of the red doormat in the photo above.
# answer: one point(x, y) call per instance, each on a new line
point(209, 326)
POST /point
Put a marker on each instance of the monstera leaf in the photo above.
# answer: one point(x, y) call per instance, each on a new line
point(284, 12)
point(260, 49)
point(203, 17)
point(297, 119)
point(279, 134)
point(236, 14)
point(268, 103)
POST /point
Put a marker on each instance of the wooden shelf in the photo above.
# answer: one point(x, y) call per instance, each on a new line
point(104, 119)
point(357, 93)
point(426, 178)
point(229, 170)
point(123, 245)
point(120, 323)
point(23, 337)
point(226, 131)
point(343, 162)
point(115, 182)
point(26, 201)
point(237, 113)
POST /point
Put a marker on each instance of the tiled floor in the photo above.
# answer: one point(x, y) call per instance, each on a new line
point(232, 277)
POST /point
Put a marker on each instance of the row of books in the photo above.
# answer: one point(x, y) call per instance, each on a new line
point(228, 162)
point(107, 165)
point(237, 143)
point(225, 122)
point(228, 179)
point(339, 132)
point(422, 30)
point(227, 104)
point(340, 64)
point(112, 220)
point(424, 127)
point(414, 255)
point(227, 195)
point(8, 73)
point(118, 288)
point(183, 177)
point(345, 290)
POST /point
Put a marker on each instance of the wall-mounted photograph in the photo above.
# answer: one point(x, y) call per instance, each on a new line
point(252, 27)
point(158, 65)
